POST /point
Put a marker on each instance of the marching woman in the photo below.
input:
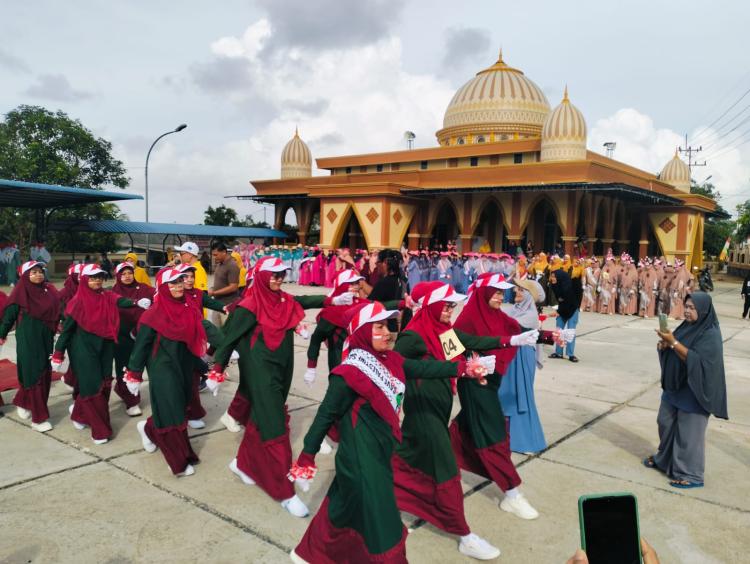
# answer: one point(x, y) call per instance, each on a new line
point(170, 336)
point(70, 287)
point(261, 328)
point(359, 520)
point(127, 287)
point(200, 299)
point(34, 308)
point(479, 433)
point(517, 384)
point(89, 334)
point(427, 479)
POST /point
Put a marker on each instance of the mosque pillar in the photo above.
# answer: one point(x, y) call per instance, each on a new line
point(590, 245)
point(302, 237)
point(607, 244)
point(623, 245)
point(464, 242)
point(569, 244)
point(413, 241)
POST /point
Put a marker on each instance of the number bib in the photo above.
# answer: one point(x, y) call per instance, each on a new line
point(452, 346)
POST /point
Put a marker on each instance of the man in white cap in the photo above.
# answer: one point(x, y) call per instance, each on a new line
point(189, 253)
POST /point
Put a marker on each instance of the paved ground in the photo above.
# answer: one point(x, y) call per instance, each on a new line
point(63, 499)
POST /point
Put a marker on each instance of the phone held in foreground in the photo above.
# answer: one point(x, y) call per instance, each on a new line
point(663, 326)
point(610, 532)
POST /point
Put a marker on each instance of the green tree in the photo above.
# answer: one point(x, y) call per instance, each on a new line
point(37, 145)
point(743, 222)
point(221, 215)
point(715, 230)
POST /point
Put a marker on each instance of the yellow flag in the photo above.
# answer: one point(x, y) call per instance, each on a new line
point(725, 250)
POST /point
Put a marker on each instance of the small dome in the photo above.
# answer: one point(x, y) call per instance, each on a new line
point(676, 173)
point(296, 160)
point(500, 102)
point(564, 133)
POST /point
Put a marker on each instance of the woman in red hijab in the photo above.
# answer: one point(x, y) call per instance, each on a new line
point(261, 330)
point(479, 433)
point(170, 337)
point(89, 334)
point(427, 480)
point(34, 308)
point(127, 287)
point(70, 287)
point(359, 521)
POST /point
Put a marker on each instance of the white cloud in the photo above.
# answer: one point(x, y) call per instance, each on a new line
point(640, 143)
point(370, 100)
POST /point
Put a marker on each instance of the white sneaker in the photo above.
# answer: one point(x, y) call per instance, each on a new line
point(23, 413)
point(476, 547)
point(100, 441)
point(295, 506)
point(196, 423)
point(519, 506)
point(234, 356)
point(296, 558)
point(188, 471)
point(76, 424)
point(148, 446)
point(247, 480)
point(325, 448)
point(42, 427)
point(230, 423)
point(134, 411)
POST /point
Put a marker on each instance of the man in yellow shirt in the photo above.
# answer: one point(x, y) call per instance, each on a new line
point(141, 276)
point(189, 253)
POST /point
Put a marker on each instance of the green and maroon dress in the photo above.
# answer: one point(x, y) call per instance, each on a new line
point(359, 520)
point(427, 480)
point(33, 310)
point(265, 379)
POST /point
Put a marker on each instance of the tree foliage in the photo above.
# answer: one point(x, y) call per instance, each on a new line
point(37, 145)
point(223, 215)
point(743, 222)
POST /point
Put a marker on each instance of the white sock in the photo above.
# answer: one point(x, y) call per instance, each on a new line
point(513, 493)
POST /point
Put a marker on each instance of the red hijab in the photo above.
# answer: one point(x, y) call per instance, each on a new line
point(360, 337)
point(276, 312)
point(426, 322)
point(478, 318)
point(95, 311)
point(339, 315)
point(40, 301)
point(3, 301)
point(177, 320)
point(133, 291)
point(70, 287)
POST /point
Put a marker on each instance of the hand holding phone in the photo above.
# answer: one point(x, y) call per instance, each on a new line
point(610, 531)
point(663, 325)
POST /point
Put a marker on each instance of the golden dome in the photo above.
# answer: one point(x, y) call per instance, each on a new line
point(676, 173)
point(500, 102)
point(296, 160)
point(564, 133)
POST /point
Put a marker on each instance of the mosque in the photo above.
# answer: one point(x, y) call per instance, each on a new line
point(507, 169)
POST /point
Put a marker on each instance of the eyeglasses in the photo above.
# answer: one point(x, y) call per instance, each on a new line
point(279, 275)
point(449, 306)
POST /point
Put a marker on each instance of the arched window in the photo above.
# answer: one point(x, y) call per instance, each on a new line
point(460, 141)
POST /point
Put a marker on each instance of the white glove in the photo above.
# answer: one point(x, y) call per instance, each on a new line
point(567, 335)
point(303, 332)
point(144, 303)
point(133, 387)
point(488, 362)
point(309, 376)
point(213, 386)
point(303, 483)
point(526, 338)
point(347, 298)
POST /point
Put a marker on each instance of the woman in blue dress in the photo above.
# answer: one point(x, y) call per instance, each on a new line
point(517, 387)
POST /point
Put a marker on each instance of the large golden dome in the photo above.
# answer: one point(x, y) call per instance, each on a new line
point(500, 102)
point(676, 173)
point(296, 160)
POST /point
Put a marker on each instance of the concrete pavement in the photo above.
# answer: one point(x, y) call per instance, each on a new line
point(63, 499)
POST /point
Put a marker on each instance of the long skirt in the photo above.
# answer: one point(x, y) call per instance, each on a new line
point(239, 409)
point(34, 398)
point(682, 443)
point(517, 398)
point(195, 409)
point(93, 410)
point(174, 445)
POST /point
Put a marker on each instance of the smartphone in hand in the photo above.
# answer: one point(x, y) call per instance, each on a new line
point(663, 326)
point(610, 532)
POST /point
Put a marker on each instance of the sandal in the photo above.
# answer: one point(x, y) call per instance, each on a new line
point(685, 484)
point(649, 462)
point(573, 358)
point(555, 355)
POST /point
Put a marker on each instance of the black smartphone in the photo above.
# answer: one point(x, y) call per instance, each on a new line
point(609, 528)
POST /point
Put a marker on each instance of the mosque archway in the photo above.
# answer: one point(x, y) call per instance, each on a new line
point(352, 236)
point(313, 230)
point(445, 228)
point(543, 227)
point(490, 228)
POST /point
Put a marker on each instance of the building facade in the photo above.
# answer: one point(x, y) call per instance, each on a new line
point(507, 170)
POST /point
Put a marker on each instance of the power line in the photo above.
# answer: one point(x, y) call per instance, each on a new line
point(723, 141)
point(728, 149)
point(702, 131)
point(719, 133)
point(689, 150)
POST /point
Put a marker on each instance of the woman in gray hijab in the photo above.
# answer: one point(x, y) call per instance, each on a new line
point(694, 387)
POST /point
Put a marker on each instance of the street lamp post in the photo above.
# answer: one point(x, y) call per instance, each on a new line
point(148, 155)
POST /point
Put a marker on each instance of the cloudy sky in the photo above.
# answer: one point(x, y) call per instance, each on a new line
point(355, 74)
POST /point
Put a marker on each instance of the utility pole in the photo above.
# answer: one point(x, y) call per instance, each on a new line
point(688, 150)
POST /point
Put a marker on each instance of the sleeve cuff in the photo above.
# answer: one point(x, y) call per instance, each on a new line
point(312, 363)
point(306, 459)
